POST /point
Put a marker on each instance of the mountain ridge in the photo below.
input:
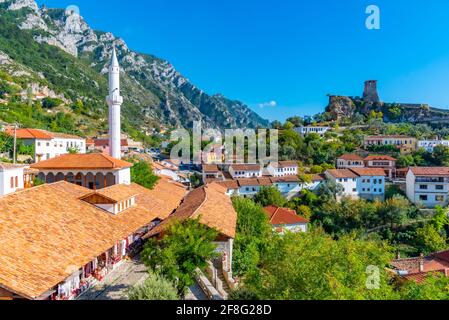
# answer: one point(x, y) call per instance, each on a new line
point(155, 92)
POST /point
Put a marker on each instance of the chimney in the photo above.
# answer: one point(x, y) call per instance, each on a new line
point(398, 255)
point(421, 264)
point(446, 273)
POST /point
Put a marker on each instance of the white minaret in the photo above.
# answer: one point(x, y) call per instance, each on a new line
point(114, 101)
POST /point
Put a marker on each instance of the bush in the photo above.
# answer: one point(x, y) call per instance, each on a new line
point(50, 103)
point(142, 174)
point(186, 246)
point(155, 287)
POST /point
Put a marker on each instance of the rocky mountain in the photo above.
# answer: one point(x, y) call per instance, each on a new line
point(344, 107)
point(56, 51)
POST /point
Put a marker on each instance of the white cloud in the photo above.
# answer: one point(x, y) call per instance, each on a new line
point(269, 104)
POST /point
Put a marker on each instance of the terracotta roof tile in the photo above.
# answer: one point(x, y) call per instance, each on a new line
point(284, 164)
point(82, 161)
point(229, 184)
point(246, 167)
point(283, 216)
point(6, 166)
point(430, 171)
point(30, 134)
point(210, 168)
point(379, 158)
point(351, 157)
point(370, 172)
point(211, 205)
point(286, 179)
point(342, 173)
point(117, 192)
point(40, 134)
point(47, 233)
point(105, 142)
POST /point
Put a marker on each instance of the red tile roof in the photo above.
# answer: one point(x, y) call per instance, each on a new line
point(211, 205)
point(246, 167)
point(351, 157)
point(47, 232)
point(284, 164)
point(342, 173)
point(283, 216)
point(370, 172)
point(105, 142)
point(379, 158)
point(82, 161)
point(435, 263)
point(39, 134)
point(430, 171)
point(30, 134)
point(210, 168)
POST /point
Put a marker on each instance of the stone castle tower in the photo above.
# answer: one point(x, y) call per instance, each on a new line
point(114, 101)
point(370, 94)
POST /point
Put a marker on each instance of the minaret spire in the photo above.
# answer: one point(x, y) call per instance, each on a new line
point(114, 101)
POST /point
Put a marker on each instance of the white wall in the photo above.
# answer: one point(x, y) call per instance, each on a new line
point(236, 174)
point(123, 176)
point(49, 149)
point(282, 172)
point(414, 192)
point(5, 180)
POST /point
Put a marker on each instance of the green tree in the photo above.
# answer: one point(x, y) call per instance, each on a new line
point(155, 287)
point(429, 239)
point(434, 287)
point(186, 246)
point(252, 236)
point(441, 155)
point(142, 174)
point(50, 103)
point(394, 210)
point(314, 266)
point(268, 196)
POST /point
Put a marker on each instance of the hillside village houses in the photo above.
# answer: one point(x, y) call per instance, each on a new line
point(48, 145)
point(284, 219)
point(429, 145)
point(347, 161)
point(359, 183)
point(89, 217)
point(404, 143)
point(387, 163)
point(428, 186)
point(245, 171)
point(320, 130)
point(283, 168)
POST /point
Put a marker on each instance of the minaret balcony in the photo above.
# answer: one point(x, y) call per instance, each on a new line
point(115, 99)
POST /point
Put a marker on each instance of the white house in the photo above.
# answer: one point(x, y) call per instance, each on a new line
point(283, 219)
point(347, 161)
point(48, 145)
point(11, 178)
point(370, 183)
point(161, 169)
point(93, 170)
point(312, 129)
point(428, 186)
point(364, 183)
point(347, 179)
point(238, 171)
point(211, 172)
point(429, 145)
point(283, 168)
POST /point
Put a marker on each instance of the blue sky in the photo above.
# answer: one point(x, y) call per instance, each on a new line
point(291, 53)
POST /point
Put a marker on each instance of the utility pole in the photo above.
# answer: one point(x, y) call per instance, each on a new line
point(15, 143)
